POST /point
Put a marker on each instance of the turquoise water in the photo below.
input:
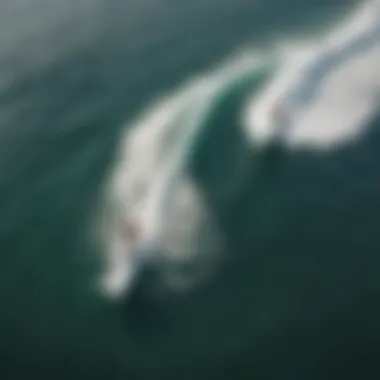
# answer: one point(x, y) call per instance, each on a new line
point(295, 295)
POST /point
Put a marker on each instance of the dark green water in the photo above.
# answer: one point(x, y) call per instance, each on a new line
point(297, 293)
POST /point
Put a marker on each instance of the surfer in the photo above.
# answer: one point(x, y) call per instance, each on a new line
point(280, 121)
point(131, 232)
point(277, 114)
point(139, 248)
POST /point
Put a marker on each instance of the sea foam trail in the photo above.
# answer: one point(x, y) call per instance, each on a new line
point(150, 183)
point(326, 92)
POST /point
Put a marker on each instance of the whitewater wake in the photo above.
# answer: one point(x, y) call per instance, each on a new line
point(328, 92)
point(151, 183)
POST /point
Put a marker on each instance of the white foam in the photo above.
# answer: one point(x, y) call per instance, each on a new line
point(328, 89)
point(150, 183)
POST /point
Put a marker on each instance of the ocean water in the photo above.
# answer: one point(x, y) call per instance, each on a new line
point(292, 292)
